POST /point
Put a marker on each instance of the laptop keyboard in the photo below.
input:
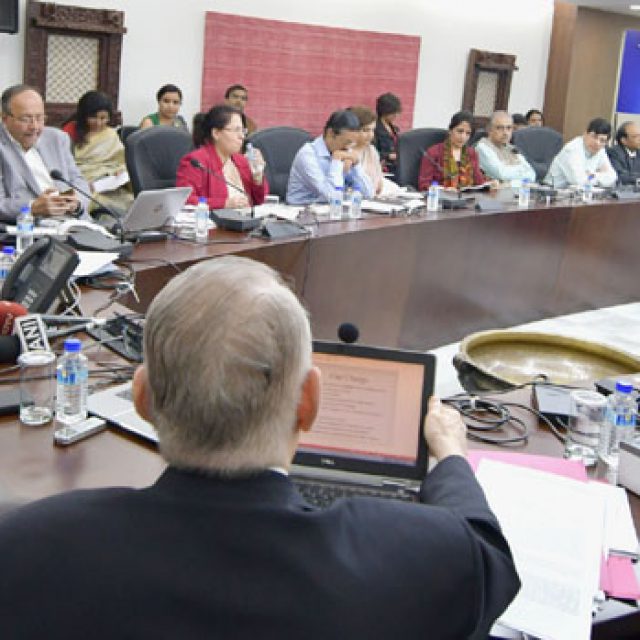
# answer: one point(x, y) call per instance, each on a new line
point(323, 494)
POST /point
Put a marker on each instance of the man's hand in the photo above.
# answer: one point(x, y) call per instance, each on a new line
point(51, 203)
point(444, 431)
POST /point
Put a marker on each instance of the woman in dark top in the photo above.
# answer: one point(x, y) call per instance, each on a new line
point(385, 138)
point(452, 163)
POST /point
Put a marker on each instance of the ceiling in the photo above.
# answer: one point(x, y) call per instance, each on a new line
point(615, 6)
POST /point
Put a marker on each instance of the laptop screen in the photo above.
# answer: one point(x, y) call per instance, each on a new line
point(371, 410)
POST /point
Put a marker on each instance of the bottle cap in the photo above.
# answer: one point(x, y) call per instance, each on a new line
point(340, 188)
point(9, 251)
point(25, 209)
point(202, 200)
point(72, 345)
point(435, 183)
point(623, 387)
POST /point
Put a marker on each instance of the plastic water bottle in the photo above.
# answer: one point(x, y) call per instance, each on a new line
point(621, 415)
point(433, 197)
point(24, 229)
point(587, 190)
point(72, 374)
point(202, 220)
point(335, 206)
point(7, 258)
point(524, 194)
point(356, 203)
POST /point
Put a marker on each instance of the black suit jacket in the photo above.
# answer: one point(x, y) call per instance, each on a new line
point(201, 557)
point(627, 168)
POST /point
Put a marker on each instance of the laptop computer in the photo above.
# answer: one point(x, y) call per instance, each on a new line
point(367, 438)
point(154, 208)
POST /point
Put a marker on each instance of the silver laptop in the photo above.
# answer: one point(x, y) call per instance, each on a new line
point(154, 208)
point(368, 433)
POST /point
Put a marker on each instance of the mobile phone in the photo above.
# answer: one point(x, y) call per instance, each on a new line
point(78, 431)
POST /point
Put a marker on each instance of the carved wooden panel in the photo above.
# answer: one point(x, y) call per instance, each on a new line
point(487, 84)
point(71, 50)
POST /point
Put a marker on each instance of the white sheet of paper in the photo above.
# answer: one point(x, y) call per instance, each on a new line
point(554, 526)
point(110, 183)
point(94, 262)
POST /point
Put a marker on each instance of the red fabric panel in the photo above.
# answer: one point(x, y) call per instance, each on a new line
point(297, 74)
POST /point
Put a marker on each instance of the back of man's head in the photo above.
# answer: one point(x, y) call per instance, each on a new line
point(227, 347)
point(600, 127)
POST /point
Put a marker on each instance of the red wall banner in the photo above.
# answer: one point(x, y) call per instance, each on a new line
point(297, 74)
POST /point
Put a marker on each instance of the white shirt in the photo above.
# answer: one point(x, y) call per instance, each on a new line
point(36, 165)
point(574, 163)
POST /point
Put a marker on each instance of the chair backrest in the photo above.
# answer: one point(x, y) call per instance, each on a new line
point(153, 156)
point(279, 146)
point(411, 147)
point(478, 134)
point(539, 145)
point(126, 130)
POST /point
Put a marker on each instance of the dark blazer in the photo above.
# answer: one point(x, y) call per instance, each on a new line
point(18, 187)
point(627, 168)
point(432, 167)
point(200, 557)
point(385, 143)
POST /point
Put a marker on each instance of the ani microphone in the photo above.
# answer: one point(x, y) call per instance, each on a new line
point(348, 333)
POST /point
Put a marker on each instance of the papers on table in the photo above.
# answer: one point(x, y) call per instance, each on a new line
point(93, 263)
point(554, 526)
point(110, 183)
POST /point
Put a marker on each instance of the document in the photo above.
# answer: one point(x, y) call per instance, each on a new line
point(554, 526)
point(110, 183)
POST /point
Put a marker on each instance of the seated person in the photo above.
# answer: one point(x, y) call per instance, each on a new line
point(98, 150)
point(237, 96)
point(169, 99)
point(452, 163)
point(582, 157)
point(329, 162)
point(385, 139)
point(225, 177)
point(519, 121)
point(624, 156)
point(369, 158)
point(499, 159)
point(29, 151)
point(534, 118)
point(222, 545)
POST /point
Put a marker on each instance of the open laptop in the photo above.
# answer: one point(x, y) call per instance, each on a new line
point(154, 208)
point(368, 434)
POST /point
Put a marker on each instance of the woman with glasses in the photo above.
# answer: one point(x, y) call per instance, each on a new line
point(98, 151)
point(217, 170)
point(169, 102)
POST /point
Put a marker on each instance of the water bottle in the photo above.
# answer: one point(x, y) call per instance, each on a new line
point(7, 258)
point(433, 197)
point(24, 229)
point(202, 220)
point(72, 375)
point(587, 190)
point(619, 426)
point(524, 194)
point(356, 203)
point(335, 205)
point(251, 155)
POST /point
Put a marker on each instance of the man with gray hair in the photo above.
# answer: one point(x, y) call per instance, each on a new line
point(222, 545)
point(499, 159)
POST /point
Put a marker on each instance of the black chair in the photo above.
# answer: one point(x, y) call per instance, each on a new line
point(153, 156)
point(279, 146)
point(411, 147)
point(126, 130)
point(539, 145)
point(478, 134)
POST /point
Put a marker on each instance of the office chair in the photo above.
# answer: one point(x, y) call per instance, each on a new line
point(539, 145)
point(153, 155)
point(126, 130)
point(411, 147)
point(478, 134)
point(279, 146)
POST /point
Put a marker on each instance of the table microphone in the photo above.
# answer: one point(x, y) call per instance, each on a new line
point(56, 175)
point(348, 333)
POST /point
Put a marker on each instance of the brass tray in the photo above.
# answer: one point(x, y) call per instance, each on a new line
point(497, 360)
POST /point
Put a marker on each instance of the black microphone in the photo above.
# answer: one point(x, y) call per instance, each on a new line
point(348, 333)
point(9, 349)
point(194, 162)
point(56, 175)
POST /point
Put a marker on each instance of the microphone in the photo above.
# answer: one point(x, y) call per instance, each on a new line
point(56, 175)
point(348, 333)
point(198, 165)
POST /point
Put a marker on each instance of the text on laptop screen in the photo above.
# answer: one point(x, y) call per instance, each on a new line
point(369, 408)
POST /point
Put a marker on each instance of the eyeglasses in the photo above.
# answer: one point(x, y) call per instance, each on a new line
point(39, 118)
point(239, 130)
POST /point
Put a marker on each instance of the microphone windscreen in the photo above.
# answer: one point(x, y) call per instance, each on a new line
point(56, 175)
point(9, 311)
point(9, 349)
point(348, 332)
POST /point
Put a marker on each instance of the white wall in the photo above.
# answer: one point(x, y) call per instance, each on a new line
point(164, 43)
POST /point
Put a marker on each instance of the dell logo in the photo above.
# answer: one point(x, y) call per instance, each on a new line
point(327, 462)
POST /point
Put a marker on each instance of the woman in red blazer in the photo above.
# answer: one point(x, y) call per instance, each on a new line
point(209, 169)
point(452, 164)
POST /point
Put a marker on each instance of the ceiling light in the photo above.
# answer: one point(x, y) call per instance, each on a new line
point(634, 7)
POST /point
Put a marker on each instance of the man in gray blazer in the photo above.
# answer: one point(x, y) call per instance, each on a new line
point(29, 151)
